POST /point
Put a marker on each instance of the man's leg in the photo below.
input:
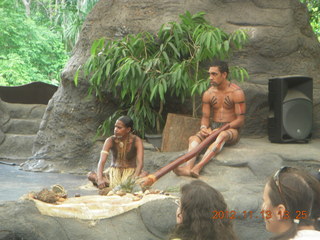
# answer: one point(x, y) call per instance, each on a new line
point(93, 177)
point(185, 169)
point(228, 136)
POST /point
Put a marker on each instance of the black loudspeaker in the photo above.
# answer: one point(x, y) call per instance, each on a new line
point(290, 109)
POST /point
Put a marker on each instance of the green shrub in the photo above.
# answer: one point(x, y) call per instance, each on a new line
point(141, 69)
point(28, 52)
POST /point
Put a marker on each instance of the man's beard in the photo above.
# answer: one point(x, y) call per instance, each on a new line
point(214, 84)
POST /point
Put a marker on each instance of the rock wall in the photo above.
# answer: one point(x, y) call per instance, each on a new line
point(4, 118)
point(281, 43)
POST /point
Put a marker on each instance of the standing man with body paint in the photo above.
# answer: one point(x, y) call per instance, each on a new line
point(225, 101)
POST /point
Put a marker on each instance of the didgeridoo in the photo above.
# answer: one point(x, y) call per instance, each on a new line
point(152, 178)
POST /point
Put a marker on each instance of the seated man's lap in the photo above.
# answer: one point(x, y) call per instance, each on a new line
point(233, 136)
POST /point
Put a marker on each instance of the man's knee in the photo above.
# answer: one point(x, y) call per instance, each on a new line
point(224, 135)
point(194, 138)
point(231, 136)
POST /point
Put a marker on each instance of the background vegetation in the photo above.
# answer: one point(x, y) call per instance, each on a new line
point(141, 69)
point(36, 37)
point(314, 12)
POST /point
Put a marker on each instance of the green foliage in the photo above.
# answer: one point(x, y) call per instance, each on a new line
point(141, 70)
point(67, 18)
point(127, 186)
point(314, 11)
point(29, 52)
point(15, 71)
point(34, 48)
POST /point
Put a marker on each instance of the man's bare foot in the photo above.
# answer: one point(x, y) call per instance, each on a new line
point(195, 172)
point(143, 174)
point(104, 191)
point(182, 171)
point(92, 176)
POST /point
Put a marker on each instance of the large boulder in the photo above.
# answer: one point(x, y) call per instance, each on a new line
point(281, 43)
point(238, 172)
point(22, 220)
point(4, 119)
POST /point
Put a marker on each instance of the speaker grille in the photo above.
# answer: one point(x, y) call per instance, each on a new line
point(297, 118)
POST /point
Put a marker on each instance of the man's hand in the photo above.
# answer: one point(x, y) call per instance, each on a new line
point(102, 184)
point(205, 132)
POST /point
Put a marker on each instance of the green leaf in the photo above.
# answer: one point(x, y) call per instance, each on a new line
point(96, 46)
point(160, 32)
point(165, 55)
point(76, 76)
point(123, 93)
point(151, 84)
point(208, 40)
point(165, 87)
point(155, 88)
point(161, 47)
point(148, 66)
point(108, 68)
point(193, 90)
point(161, 92)
point(226, 45)
point(174, 49)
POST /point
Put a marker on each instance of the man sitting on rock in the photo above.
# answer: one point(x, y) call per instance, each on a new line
point(127, 156)
point(226, 100)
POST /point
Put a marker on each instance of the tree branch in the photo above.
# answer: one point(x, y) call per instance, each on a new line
point(27, 4)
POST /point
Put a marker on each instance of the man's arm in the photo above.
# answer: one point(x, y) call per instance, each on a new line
point(140, 156)
point(205, 120)
point(240, 108)
point(102, 161)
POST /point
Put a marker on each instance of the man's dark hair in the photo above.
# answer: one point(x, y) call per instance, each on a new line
point(127, 121)
point(222, 65)
point(298, 191)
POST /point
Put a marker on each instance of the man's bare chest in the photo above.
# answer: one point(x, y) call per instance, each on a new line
point(225, 100)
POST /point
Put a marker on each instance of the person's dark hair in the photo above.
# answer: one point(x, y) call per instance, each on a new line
point(314, 184)
point(297, 191)
point(198, 201)
point(222, 65)
point(127, 121)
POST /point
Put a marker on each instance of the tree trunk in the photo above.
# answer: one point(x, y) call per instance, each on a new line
point(158, 118)
point(27, 5)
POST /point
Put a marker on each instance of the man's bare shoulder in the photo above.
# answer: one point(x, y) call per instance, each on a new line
point(236, 92)
point(137, 138)
point(207, 95)
point(234, 87)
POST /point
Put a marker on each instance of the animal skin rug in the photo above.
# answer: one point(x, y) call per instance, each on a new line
point(95, 207)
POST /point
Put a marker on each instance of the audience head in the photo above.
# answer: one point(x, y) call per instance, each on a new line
point(195, 214)
point(291, 201)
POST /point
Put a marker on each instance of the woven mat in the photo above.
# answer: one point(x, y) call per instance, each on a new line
point(95, 207)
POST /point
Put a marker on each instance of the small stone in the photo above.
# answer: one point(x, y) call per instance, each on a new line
point(121, 193)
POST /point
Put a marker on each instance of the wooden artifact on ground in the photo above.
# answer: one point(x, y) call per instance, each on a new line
point(178, 125)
